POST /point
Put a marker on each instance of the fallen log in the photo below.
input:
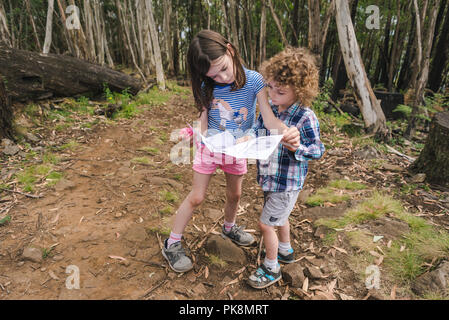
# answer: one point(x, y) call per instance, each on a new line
point(35, 76)
point(6, 114)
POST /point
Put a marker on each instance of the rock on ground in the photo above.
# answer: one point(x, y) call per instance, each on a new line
point(225, 249)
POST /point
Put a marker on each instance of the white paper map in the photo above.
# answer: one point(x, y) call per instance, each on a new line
point(260, 148)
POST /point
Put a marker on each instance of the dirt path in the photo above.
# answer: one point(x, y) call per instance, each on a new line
point(118, 196)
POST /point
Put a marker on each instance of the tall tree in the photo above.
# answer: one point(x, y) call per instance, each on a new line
point(371, 110)
point(49, 27)
point(441, 56)
point(278, 23)
point(155, 40)
point(5, 35)
point(263, 32)
point(423, 62)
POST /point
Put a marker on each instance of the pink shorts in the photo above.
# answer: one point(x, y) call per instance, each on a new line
point(206, 162)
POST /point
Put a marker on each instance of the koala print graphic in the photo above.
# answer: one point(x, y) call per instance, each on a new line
point(228, 114)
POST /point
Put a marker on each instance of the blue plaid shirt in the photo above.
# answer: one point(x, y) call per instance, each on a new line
point(286, 170)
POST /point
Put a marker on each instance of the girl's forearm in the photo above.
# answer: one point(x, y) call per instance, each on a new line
point(269, 119)
point(203, 121)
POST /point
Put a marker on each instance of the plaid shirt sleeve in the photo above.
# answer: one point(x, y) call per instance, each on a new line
point(310, 147)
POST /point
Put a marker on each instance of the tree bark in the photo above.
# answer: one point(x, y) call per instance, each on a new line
point(440, 57)
point(423, 63)
point(157, 51)
point(263, 33)
point(234, 32)
point(434, 158)
point(49, 27)
point(6, 113)
point(278, 23)
point(168, 33)
point(5, 36)
point(314, 26)
point(34, 76)
point(33, 25)
point(371, 110)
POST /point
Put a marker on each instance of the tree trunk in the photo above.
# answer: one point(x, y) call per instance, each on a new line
point(6, 113)
point(49, 27)
point(278, 23)
point(423, 61)
point(5, 36)
point(263, 33)
point(440, 58)
point(371, 110)
point(325, 28)
point(314, 26)
point(168, 33)
point(434, 158)
point(385, 49)
point(89, 19)
point(33, 76)
point(33, 25)
point(157, 50)
point(234, 33)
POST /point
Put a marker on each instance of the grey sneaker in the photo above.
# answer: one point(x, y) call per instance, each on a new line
point(176, 257)
point(264, 277)
point(238, 236)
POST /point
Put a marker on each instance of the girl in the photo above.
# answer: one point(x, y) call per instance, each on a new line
point(217, 74)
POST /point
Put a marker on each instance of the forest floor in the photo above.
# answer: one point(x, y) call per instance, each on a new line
point(99, 194)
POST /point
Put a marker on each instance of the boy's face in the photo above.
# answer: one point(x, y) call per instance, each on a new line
point(283, 97)
point(222, 69)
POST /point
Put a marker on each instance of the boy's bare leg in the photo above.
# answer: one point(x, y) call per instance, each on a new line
point(284, 232)
point(270, 240)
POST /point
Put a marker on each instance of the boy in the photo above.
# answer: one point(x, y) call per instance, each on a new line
point(292, 85)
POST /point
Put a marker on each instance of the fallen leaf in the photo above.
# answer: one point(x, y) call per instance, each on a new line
point(331, 285)
point(374, 253)
point(393, 293)
point(206, 272)
point(305, 285)
point(379, 261)
point(240, 270)
point(117, 258)
point(232, 281)
point(345, 297)
point(56, 218)
point(52, 275)
point(377, 238)
point(340, 249)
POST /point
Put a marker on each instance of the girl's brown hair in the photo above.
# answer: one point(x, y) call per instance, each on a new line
point(294, 68)
point(205, 47)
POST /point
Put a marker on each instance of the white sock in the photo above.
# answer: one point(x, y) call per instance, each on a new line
point(271, 264)
point(228, 225)
point(284, 246)
point(174, 237)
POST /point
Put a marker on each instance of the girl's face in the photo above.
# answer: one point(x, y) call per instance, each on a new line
point(283, 97)
point(222, 69)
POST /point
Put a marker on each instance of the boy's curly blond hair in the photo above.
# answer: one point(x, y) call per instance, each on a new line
point(295, 68)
